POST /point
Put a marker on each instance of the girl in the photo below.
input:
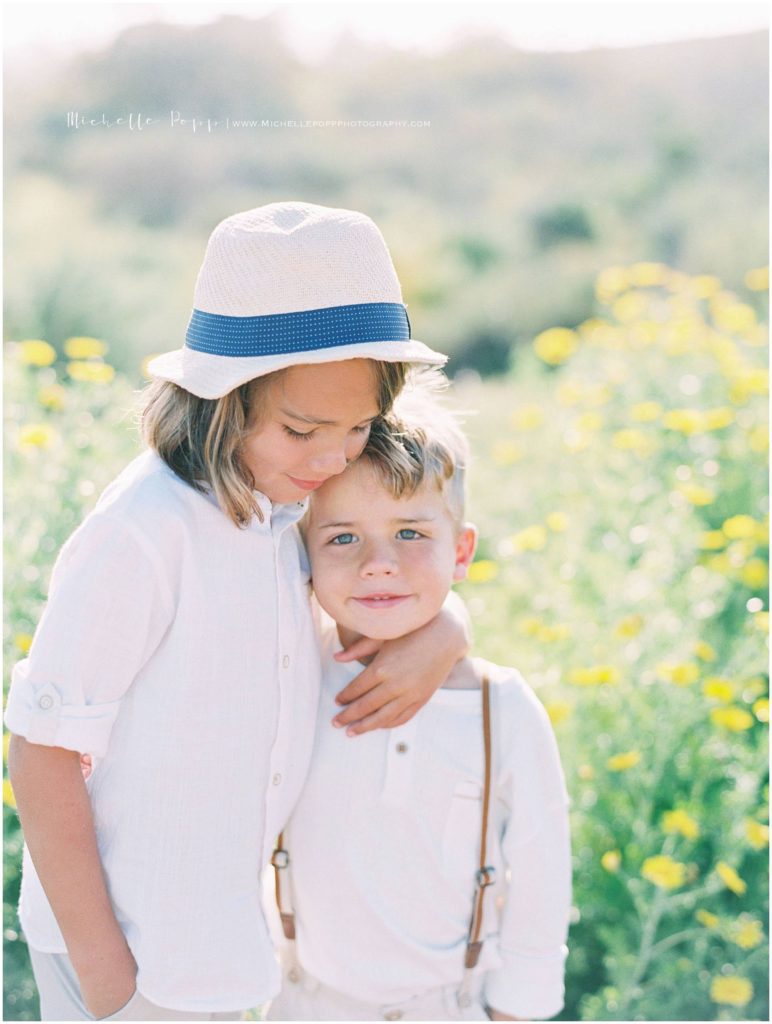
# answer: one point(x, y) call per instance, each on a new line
point(178, 647)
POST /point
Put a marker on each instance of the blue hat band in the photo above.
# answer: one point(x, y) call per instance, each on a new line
point(279, 333)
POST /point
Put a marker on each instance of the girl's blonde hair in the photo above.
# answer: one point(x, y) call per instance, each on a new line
point(201, 439)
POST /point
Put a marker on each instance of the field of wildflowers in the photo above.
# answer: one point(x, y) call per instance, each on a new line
point(620, 488)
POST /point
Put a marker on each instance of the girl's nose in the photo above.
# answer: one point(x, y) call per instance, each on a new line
point(330, 463)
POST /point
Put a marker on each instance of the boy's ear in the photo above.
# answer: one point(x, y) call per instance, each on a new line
point(466, 545)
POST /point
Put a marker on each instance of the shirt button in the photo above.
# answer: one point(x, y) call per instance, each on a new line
point(285, 661)
point(276, 779)
point(464, 1000)
point(46, 702)
point(402, 748)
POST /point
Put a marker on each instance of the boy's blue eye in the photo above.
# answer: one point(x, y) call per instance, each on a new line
point(343, 538)
point(295, 433)
point(415, 534)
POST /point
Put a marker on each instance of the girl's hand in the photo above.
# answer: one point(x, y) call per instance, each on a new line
point(495, 1015)
point(405, 672)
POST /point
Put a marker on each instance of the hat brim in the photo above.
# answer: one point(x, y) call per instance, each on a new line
point(212, 376)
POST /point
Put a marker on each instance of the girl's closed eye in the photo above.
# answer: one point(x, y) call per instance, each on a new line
point(297, 434)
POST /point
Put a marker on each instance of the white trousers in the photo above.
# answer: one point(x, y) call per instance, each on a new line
point(303, 998)
point(60, 997)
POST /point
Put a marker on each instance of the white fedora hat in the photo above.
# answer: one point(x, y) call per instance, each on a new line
point(290, 283)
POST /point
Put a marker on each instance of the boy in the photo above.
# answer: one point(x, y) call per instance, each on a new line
point(379, 871)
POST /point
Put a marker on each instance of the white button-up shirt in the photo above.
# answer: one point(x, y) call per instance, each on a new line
point(181, 651)
point(384, 848)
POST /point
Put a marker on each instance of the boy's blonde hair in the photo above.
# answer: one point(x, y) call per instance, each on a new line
point(421, 441)
point(201, 439)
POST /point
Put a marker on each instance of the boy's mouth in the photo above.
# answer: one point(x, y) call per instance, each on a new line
point(381, 600)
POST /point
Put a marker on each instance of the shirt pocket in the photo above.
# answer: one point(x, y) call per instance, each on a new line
point(462, 831)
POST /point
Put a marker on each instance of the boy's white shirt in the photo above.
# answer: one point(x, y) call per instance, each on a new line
point(384, 847)
point(182, 653)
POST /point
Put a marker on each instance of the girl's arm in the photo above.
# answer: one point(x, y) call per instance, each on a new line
point(405, 672)
point(56, 819)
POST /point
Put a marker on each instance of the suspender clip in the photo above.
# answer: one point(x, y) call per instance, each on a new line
point(280, 859)
point(486, 876)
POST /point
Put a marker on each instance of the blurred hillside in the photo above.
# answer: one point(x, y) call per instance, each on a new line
point(537, 171)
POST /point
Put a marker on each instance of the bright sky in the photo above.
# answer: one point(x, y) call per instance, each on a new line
point(424, 25)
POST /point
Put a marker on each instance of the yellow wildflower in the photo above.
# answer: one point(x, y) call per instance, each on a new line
point(556, 345)
point(84, 348)
point(746, 932)
point(532, 538)
point(35, 352)
point(528, 417)
point(557, 521)
point(761, 621)
point(683, 674)
point(611, 282)
point(482, 571)
point(758, 440)
point(679, 821)
point(761, 709)
point(52, 397)
point(621, 762)
point(664, 872)
point(704, 651)
point(755, 574)
point(23, 642)
point(705, 285)
point(646, 412)
point(712, 540)
point(717, 419)
point(732, 991)
point(92, 373)
point(36, 435)
point(629, 626)
point(611, 860)
point(649, 275)
point(730, 878)
point(757, 280)
point(687, 421)
point(718, 688)
point(558, 711)
point(6, 745)
point(734, 719)
point(553, 634)
point(739, 527)
point(595, 675)
point(695, 494)
point(757, 833)
point(734, 317)
point(632, 441)
point(586, 772)
point(628, 307)
point(530, 625)
point(706, 918)
point(8, 798)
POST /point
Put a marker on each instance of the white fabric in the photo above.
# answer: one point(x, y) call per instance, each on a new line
point(384, 847)
point(181, 651)
point(289, 257)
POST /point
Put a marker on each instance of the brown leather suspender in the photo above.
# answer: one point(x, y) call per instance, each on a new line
point(280, 861)
point(485, 875)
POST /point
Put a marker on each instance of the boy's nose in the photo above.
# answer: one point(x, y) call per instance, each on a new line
point(379, 564)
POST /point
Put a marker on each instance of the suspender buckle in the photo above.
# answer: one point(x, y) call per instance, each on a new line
point(280, 859)
point(486, 876)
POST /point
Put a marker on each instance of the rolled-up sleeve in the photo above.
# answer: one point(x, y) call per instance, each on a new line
point(109, 605)
point(536, 847)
